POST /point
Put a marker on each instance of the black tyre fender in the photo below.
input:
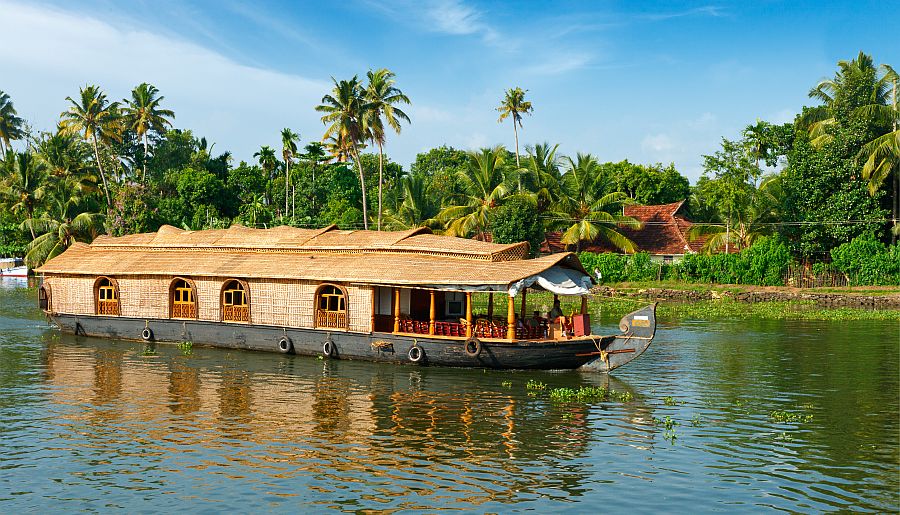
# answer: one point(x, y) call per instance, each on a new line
point(416, 354)
point(147, 334)
point(329, 349)
point(285, 345)
point(472, 347)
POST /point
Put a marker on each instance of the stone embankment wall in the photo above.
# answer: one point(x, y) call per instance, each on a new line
point(827, 300)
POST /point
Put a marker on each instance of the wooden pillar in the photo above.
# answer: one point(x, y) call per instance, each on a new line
point(431, 315)
point(490, 305)
point(396, 310)
point(584, 307)
point(511, 319)
point(468, 314)
point(522, 313)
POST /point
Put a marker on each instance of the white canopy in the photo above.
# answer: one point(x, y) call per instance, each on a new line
point(556, 279)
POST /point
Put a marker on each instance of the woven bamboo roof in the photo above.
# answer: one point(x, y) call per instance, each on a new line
point(328, 239)
point(414, 257)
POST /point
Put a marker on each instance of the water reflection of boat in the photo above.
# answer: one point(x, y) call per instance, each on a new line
point(431, 411)
point(402, 297)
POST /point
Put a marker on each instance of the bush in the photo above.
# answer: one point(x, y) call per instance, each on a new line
point(867, 261)
point(762, 264)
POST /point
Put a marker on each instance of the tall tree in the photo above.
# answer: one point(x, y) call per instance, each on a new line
point(346, 113)
point(94, 117)
point(882, 154)
point(514, 106)
point(24, 183)
point(315, 155)
point(585, 212)
point(11, 126)
point(289, 140)
point(483, 187)
point(382, 96)
point(143, 114)
point(417, 209)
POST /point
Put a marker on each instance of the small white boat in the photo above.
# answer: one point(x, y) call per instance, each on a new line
point(15, 271)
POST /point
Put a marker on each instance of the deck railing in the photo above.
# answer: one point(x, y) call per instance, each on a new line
point(414, 326)
point(184, 311)
point(107, 307)
point(236, 313)
point(333, 319)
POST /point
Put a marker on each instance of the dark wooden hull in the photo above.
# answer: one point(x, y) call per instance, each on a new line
point(383, 347)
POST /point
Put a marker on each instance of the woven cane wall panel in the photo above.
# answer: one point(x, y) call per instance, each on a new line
point(282, 302)
point(73, 294)
point(208, 291)
point(144, 297)
point(360, 308)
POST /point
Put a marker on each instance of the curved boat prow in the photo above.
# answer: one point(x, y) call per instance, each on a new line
point(638, 329)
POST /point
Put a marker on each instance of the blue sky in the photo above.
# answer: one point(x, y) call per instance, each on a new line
point(644, 81)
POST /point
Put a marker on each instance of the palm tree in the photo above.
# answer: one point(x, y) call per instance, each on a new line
point(143, 114)
point(746, 224)
point(839, 97)
point(11, 126)
point(346, 114)
point(58, 233)
point(585, 212)
point(288, 151)
point(882, 154)
point(94, 117)
point(483, 187)
point(514, 106)
point(315, 154)
point(382, 95)
point(24, 183)
point(417, 209)
point(267, 159)
point(542, 165)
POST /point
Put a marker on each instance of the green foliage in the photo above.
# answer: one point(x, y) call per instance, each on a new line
point(515, 221)
point(822, 188)
point(867, 261)
point(762, 264)
point(620, 267)
point(647, 184)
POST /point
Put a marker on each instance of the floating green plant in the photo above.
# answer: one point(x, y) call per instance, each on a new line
point(696, 421)
point(535, 385)
point(789, 417)
point(186, 347)
point(670, 401)
point(506, 384)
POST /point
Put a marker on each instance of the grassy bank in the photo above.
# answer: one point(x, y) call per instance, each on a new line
point(740, 288)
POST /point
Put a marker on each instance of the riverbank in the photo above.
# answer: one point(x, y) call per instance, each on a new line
point(864, 297)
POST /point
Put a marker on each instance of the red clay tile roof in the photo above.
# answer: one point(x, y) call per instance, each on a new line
point(664, 232)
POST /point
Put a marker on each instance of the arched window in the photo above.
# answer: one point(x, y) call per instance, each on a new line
point(106, 296)
point(235, 301)
point(331, 307)
point(44, 298)
point(183, 299)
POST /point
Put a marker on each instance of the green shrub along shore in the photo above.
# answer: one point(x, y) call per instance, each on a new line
point(864, 261)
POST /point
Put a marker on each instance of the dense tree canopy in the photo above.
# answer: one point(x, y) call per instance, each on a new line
point(826, 179)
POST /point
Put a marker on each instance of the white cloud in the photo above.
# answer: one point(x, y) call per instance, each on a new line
point(559, 64)
point(50, 53)
point(657, 143)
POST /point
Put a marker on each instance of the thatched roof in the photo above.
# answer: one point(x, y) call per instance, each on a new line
point(414, 257)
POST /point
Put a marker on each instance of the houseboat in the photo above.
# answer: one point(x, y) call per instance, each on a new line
point(407, 296)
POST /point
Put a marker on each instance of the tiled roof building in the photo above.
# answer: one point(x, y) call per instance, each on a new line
point(663, 233)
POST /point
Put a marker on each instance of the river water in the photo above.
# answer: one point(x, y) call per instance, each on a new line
point(722, 416)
